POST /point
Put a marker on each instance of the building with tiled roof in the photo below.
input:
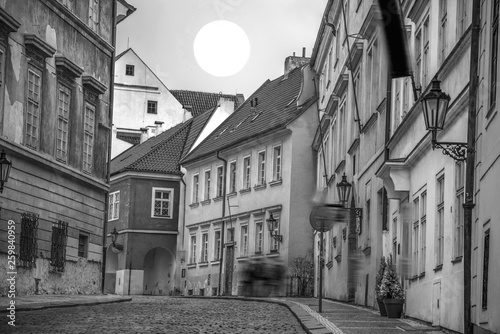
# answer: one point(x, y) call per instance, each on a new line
point(256, 166)
point(146, 205)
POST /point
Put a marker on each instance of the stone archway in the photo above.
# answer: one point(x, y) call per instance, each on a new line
point(111, 268)
point(158, 272)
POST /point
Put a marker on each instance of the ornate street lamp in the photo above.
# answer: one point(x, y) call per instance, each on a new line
point(435, 108)
point(344, 191)
point(272, 225)
point(114, 237)
point(322, 219)
point(5, 166)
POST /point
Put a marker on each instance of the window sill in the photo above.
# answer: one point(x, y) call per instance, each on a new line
point(214, 263)
point(422, 274)
point(245, 191)
point(257, 254)
point(457, 259)
point(491, 110)
point(273, 254)
point(203, 264)
point(367, 250)
point(414, 278)
point(191, 265)
point(218, 199)
point(329, 265)
point(232, 194)
point(338, 258)
point(242, 258)
point(260, 187)
point(276, 183)
point(161, 217)
point(438, 268)
point(194, 205)
point(206, 202)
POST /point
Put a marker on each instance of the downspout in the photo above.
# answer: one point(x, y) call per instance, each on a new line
point(470, 165)
point(183, 227)
point(223, 215)
point(110, 138)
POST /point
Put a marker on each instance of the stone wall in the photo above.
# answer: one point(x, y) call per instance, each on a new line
point(79, 277)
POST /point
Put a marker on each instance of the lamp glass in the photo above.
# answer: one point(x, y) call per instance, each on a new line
point(435, 107)
point(271, 223)
point(5, 166)
point(344, 189)
point(114, 236)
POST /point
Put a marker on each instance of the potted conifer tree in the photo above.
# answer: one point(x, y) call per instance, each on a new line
point(378, 287)
point(392, 290)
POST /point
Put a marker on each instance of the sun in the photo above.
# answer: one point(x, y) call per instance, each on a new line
point(221, 48)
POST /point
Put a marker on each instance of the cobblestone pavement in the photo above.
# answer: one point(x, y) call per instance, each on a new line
point(159, 315)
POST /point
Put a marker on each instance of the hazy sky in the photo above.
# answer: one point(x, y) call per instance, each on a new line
point(162, 33)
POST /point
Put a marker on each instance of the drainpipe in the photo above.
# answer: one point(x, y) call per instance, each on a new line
point(110, 138)
point(470, 164)
point(223, 223)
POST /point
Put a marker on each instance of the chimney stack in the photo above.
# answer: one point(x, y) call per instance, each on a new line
point(294, 61)
point(144, 135)
point(303, 52)
point(159, 127)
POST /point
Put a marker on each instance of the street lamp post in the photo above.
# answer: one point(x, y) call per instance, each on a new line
point(323, 218)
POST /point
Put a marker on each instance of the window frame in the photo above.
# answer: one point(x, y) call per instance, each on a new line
point(232, 177)
point(196, 188)
point(152, 107)
point(261, 170)
point(204, 245)
point(170, 201)
point(85, 245)
point(207, 180)
point(130, 70)
point(192, 248)
point(114, 206)
point(458, 222)
point(36, 112)
point(440, 212)
point(94, 14)
point(259, 236)
point(88, 137)
point(220, 181)
point(244, 240)
point(63, 116)
point(247, 172)
point(217, 244)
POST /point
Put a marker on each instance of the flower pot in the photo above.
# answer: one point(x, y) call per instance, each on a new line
point(394, 307)
point(381, 307)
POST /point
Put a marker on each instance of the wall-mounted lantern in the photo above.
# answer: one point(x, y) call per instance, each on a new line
point(5, 166)
point(272, 225)
point(344, 191)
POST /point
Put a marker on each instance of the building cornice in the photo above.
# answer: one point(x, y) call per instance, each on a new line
point(145, 175)
point(7, 22)
point(145, 232)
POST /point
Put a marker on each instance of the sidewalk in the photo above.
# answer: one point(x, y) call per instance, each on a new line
point(342, 318)
point(38, 302)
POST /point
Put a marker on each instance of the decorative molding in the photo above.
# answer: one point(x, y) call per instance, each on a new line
point(205, 202)
point(367, 250)
point(194, 205)
point(340, 166)
point(370, 122)
point(67, 67)
point(38, 46)
point(370, 24)
point(146, 232)
point(275, 183)
point(341, 84)
point(259, 187)
point(354, 146)
point(7, 23)
point(417, 10)
point(338, 258)
point(355, 56)
point(245, 191)
point(92, 83)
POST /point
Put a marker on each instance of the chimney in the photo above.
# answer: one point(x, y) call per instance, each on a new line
point(293, 62)
point(144, 135)
point(159, 127)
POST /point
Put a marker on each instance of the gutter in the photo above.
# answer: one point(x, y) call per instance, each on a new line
point(221, 257)
point(110, 139)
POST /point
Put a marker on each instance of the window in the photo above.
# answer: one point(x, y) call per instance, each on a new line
point(423, 238)
point(426, 53)
point(207, 185)
point(246, 173)
point(230, 235)
point(259, 238)
point(192, 256)
point(196, 185)
point(204, 244)
point(486, 263)
point(129, 70)
point(273, 242)
point(232, 177)
point(62, 123)
point(83, 245)
point(394, 238)
point(458, 240)
point(162, 202)
point(372, 80)
point(337, 45)
point(2, 71)
point(440, 220)
point(416, 236)
point(217, 246)
point(68, 3)
point(461, 17)
point(277, 163)
point(262, 168)
point(114, 205)
point(33, 108)
point(443, 33)
point(220, 181)
point(58, 245)
point(94, 14)
point(28, 244)
point(494, 52)
point(152, 107)
point(88, 140)
point(418, 57)
point(244, 241)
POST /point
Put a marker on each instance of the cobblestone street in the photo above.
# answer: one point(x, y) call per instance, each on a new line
point(159, 315)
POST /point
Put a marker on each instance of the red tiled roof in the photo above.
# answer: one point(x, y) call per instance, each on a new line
point(277, 106)
point(202, 101)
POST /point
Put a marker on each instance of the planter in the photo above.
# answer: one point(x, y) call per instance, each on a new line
point(381, 307)
point(394, 307)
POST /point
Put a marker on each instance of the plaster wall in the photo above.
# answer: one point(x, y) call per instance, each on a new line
point(132, 279)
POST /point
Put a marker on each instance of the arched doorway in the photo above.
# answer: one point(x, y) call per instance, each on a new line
point(111, 268)
point(158, 272)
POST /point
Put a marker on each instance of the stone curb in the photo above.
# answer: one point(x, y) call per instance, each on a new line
point(307, 321)
point(63, 304)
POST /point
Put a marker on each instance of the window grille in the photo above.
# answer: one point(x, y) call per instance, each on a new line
point(28, 244)
point(162, 203)
point(58, 248)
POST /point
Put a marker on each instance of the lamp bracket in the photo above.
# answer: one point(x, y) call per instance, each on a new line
point(277, 237)
point(458, 151)
point(357, 211)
